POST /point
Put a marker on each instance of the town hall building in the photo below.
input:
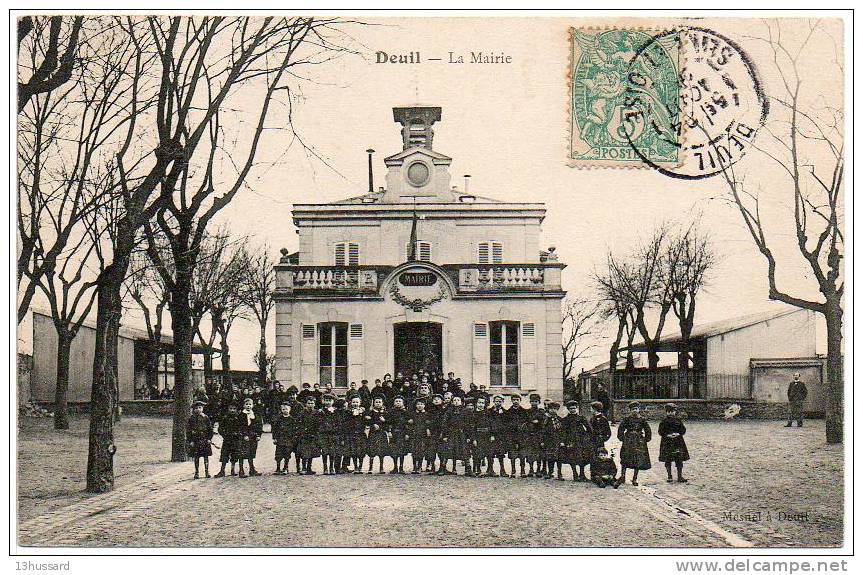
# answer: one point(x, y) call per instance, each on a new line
point(419, 275)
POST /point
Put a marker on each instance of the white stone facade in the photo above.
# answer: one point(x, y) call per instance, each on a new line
point(476, 296)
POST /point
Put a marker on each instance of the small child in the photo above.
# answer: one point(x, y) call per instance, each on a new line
point(285, 429)
point(356, 433)
point(552, 438)
point(307, 441)
point(634, 434)
point(603, 471)
point(601, 430)
point(482, 439)
point(378, 445)
point(199, 432)
point(419, 434)
point(532, 438)
point(228, 431)
point(398, 420)
point(501, 434)
point(672, 447)
point(578, 441)
point(249, 430)
point(328, 433)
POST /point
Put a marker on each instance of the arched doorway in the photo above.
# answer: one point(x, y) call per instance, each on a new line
point(418, 345)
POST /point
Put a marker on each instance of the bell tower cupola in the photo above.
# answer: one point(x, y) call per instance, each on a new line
point(417, 173)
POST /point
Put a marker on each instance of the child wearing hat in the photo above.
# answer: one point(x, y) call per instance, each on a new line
point(199, 432)
point(376, 423)
point(603, 471)
point(328, 433)
point(599, 426)
point(482, 438)
point(307, 440)
point(634, 434)
point(552, 440)
point(532, 437)
point(249, 430)
point(516, 417)
point(228, 431)
point(356, 433)
point(672, 447)
point(343, 443)
point(419, 431)
point(578, 441)
point(501, 434)
point(453, 438)
point(398, 419)
point(285, 429)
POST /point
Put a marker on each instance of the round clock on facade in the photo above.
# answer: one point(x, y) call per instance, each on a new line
point(418, 174)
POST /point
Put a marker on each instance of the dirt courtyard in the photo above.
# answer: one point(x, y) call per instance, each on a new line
point(751, 484)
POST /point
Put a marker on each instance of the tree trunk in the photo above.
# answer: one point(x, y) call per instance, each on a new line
point(61, 399)
point(104, 392)
point(226, 356)
point(152, 367)
point(181, 324)
point(262, 357)
point(835, 389)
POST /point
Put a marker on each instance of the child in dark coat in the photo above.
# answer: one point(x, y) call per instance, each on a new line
point(376, 422)
point(420, 434)
point(552, 438)
point(285, 429)
point(328, 433)
point(250, 427)
point(228, 431)
point(634, 433)
point(672, 447)
point(501, 434)
point(578, 441)
point(355, 430)
point(199, 432)
point(482, 438)
point(599, 426)
point(398, 419)
point(603, 471)
point(516, 417)
point(532, 435)
point(307, 441)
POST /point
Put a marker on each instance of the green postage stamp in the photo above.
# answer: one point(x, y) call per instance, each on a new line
point(624, 98)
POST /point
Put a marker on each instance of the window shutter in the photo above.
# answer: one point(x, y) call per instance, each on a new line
point(528, 329)
point(340, 254)
point(480, 354)
point(424, 251)
point(308, 354)
point(496, 252)
point(353, 254)
point(356, 353)
point(482, 253)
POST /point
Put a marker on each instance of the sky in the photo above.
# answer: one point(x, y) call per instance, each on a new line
point(507, 126)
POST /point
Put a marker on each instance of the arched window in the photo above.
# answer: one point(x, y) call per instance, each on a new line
point(503, 353)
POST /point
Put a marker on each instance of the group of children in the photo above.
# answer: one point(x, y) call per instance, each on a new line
point(439, 431)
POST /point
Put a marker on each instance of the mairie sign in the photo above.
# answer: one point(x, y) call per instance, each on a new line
point(418, 279)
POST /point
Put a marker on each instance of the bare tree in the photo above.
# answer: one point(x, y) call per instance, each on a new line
point(805, 141)
point(581, 322)
point(66, 182)
point(204, 61)
point(52, 42)
point(258, 298)
point(688, 258)
point(145, 286)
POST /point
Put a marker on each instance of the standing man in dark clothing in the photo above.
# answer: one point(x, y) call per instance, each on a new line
point(797, 393)
point(603, 398)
